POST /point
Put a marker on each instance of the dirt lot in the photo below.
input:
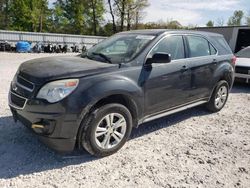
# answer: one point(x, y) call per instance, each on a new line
point(189, 149)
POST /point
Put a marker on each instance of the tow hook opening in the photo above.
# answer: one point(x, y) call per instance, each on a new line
point(44, 127)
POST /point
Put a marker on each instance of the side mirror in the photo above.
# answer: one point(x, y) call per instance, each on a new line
point(159, 58)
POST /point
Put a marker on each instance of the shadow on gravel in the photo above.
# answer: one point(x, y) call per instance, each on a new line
point(240, 88)
point(21, 153)
point(168, 121)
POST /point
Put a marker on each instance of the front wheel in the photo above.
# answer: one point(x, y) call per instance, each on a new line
point(106, 130)
point(219, 97)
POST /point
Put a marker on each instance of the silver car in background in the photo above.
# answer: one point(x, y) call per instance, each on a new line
point(242, 67)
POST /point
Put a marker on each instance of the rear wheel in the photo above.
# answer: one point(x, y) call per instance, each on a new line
point(219, 97)
point(106, 130)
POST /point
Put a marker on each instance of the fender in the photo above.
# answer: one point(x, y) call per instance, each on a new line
point(104, 87)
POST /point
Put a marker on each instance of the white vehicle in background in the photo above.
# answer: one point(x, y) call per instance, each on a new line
point(242, 67)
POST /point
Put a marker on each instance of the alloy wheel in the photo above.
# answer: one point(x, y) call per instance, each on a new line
point(110, 130)
point(221, 97)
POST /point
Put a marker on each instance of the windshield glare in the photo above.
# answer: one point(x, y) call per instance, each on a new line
point(245, 53)
point(120, 48)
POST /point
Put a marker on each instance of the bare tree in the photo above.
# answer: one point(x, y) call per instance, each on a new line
point(129, 12)
point(248, 19)
point(111, 11)
point(220, 21)
point(121, 7)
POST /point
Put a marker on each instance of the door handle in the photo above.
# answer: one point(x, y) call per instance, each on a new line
point(215, 61)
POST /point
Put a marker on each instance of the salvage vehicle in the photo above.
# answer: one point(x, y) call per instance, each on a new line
point(242, 66)
point(93, 102)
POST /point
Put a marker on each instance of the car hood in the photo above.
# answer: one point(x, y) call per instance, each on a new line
point(42, 70)
point(243, 62)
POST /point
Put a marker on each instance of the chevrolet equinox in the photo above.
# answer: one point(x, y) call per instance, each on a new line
point(93, 101)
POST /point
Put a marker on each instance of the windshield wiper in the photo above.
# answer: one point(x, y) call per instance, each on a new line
point(103, 56)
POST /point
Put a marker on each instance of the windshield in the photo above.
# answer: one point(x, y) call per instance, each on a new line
point(120, 48)
point(245, 53)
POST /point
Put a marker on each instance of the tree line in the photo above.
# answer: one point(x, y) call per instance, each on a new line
point(237, 19)
point(72, 16)
point(88, 17)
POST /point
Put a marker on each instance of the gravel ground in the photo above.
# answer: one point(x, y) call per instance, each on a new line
point(189, 149)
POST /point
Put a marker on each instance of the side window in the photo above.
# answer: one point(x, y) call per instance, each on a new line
point(198, 46)
point(172, 45)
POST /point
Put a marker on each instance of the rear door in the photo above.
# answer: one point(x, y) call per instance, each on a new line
point(166, 84)
point(202, 60)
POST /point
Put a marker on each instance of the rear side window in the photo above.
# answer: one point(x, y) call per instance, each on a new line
point(221, 44)
point(198, 46)
point(172, 45)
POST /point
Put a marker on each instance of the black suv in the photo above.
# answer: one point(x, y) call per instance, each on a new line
point(95, 100)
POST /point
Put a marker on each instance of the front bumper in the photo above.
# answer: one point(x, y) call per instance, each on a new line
point(59, 127)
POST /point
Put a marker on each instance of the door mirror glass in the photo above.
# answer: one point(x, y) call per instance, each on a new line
point(159, 58)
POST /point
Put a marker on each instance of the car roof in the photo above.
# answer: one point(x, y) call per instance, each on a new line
point(161, 31)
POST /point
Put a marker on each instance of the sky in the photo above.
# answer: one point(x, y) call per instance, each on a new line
point(192, 12)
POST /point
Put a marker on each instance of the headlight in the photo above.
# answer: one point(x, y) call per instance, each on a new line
point(57, 90)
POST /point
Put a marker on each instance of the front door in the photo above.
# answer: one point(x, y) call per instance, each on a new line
point(166, 84)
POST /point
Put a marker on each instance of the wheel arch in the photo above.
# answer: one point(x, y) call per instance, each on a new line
point(123, 99)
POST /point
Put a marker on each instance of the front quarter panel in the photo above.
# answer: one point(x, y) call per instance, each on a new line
point(91, 90)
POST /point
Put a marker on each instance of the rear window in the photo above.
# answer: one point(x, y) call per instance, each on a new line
point(221, 45)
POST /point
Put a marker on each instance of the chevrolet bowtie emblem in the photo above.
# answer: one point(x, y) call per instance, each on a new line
point(14, 87)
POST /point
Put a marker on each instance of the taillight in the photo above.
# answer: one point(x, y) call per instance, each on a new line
point(234, 60)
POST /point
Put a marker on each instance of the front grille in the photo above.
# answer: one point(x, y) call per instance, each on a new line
point(25, 83)
point(242, 70)
point(17, 100)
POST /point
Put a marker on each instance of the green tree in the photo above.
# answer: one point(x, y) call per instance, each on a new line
point(236, 19)
point(4, 14)
point(94, 15)
point(210, 23)
point(28, 15)
point(57, 22)
point(72, 15)
point(20, 14)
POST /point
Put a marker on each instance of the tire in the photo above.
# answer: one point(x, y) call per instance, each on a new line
point(101, 138)
point(219, 97)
